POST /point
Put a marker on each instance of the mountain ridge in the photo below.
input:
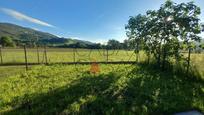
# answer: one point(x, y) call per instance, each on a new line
point(26, 34)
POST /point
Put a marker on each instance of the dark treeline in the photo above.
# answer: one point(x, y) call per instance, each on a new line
point(7, 41)
point(111, 44)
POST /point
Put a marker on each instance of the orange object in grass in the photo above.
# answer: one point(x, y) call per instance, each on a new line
point(94, 68)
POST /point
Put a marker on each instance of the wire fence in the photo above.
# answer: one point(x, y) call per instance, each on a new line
point(44, 55)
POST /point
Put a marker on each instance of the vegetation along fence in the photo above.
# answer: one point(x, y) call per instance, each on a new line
point(44, 55)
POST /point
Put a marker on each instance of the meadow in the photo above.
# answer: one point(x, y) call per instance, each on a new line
point(54, 55)
point(117, 89)
point(60, 55)
point(6, 71)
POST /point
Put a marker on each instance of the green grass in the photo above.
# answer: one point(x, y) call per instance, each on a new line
point(6, 71)
point(66, 55)
point(84, 55)
point(117, 89)
point(198, 62)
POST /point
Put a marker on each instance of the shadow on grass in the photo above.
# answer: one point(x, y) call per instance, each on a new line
point(142, 91)
point(57, 101)
point(156, 92)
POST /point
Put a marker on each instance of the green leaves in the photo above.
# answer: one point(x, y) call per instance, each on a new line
point(6, 41)
point(168, 27)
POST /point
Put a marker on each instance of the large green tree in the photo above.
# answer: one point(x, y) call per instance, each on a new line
point(6, 41)
point(135, 28)
point(163, 30)
point(113, 44)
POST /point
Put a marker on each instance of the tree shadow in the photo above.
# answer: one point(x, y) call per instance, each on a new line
point(194, 74)
point(154, 92)
point(58, 100)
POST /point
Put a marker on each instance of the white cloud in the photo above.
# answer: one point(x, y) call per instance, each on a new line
point(19, 16)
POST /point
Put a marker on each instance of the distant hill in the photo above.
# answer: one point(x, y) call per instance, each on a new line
point(22, 35)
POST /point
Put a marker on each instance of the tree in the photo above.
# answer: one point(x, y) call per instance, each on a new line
point(113, 44)
point(163, 30)
point(125, 44)
point(135, 28)
point(6, 41)
point(201, 46)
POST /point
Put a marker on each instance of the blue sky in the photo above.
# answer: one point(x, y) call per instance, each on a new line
point(92, 20)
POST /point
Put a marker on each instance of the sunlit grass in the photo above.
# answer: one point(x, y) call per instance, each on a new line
point(66, 55)
point(84, 55)
point(6, 71)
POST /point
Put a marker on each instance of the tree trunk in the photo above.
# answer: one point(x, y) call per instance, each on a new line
point(189, 58)
point(137, 52)
point(148, 58)
point(177, 60)
point(164, 57)
point(159, 56)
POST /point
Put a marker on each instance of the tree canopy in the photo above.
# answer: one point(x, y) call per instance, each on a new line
point(162, 31)
point(6, 41)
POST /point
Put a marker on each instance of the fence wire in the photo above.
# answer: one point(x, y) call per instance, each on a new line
point(64, 55)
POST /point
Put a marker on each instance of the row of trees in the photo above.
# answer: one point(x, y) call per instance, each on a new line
point(114, 44)
point(6, 41)
point(164, 32)
point(111, 44)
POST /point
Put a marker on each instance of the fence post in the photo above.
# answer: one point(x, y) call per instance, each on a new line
point(137, 52)
point(148, 58)
point(38, 56)
point(26, 60)
point(74, 55)
point(189, 58)
point(1, 55)
point(45, 52)
point(107, 55)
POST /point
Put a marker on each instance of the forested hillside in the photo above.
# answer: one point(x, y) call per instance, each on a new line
point(23, 35)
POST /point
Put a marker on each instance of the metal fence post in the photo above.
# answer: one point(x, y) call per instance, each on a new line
point(38, 55)
point(1, 55)
point(137, 52)
point(26, 60)
point(107, 54)
point(45, 52)
point(74, 55)
point(189, 58)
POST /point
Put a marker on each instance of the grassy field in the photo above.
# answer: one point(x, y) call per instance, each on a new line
point(117, 89)
point(11, 70)
point(66, 55)
point(198, 62)
point(84, 55)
